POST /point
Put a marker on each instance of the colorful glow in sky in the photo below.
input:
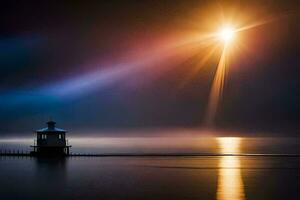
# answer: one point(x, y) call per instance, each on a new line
point(199, 46)
point(174, 51)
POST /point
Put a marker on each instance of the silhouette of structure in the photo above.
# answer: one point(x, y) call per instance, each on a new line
point(51, 141)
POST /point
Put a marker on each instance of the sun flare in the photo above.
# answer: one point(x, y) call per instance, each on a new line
point(226, 33)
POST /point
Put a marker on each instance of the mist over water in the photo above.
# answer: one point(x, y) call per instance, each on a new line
point(188, 142)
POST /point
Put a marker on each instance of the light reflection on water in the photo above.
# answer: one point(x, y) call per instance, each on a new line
point(230, 183)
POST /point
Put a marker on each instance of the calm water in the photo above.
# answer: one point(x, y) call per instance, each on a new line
point(220, 178)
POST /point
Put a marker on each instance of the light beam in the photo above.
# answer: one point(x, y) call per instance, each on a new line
point(226, 34)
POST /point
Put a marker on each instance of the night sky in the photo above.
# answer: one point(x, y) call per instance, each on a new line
point(112, 65)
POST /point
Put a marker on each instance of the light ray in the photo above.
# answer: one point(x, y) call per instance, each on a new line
point(83, 84)
point(257, 24)
point(216, 89)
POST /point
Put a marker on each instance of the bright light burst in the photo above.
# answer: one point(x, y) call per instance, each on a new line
point(227, 33)
point(224, 36)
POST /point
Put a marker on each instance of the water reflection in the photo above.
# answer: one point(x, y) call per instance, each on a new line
point(230, 183)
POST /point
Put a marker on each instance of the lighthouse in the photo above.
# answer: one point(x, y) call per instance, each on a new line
point(51, 141)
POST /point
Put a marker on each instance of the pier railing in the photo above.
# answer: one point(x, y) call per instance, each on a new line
point(13, 152)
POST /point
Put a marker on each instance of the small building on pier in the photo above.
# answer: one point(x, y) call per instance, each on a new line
point(51, 141)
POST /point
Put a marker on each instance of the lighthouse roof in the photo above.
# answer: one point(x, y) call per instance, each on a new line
point(51, 128)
